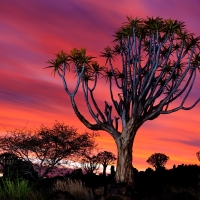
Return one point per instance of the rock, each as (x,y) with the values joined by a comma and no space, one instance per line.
(198,185)
(100,198)
(99,191)
(77,174)
(119,189)
(62,195)
(178,196)
(118,197)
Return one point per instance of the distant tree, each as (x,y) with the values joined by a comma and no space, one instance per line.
(47,147)
(90,164)
(158,160)
(20,169)
(106,158)
(7,159)
(198,155)
(149,170)
(159,61)
(14,167)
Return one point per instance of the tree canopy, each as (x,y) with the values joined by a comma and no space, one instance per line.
(158,160)
(90,163)
(105,158)
(47,147)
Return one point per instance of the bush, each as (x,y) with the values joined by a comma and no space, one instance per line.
(20,169)
(181,190)
(75,187)
(14,189)
(17,190)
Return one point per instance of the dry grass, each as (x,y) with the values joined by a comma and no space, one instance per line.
(195,192)
(75,188)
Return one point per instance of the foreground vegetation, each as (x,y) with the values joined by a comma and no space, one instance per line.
(177,183)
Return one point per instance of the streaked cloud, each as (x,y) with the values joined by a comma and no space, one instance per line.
(33,31)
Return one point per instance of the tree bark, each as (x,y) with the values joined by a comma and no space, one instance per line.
(124,170)
(104,170)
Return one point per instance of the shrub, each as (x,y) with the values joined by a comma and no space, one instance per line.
(14,189)
(18,189)
(193,191)
(75,187)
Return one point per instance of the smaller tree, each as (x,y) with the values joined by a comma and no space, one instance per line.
(20,169)
(90,164)
(14,167)
(7,159)
(198,155)
(158,160)
(106,158)
(46,147)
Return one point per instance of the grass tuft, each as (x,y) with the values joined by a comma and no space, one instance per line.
(17,190)
(75,187)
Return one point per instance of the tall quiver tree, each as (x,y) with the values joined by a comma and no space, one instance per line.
(159,62)
(106,158)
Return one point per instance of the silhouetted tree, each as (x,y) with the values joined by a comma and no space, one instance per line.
(20,169)
(112,171)
(198,155)
(106,158)
(14,167)
(158,160)
(47,147)
(90,164)
(7,159)
(159,63)
(149,170)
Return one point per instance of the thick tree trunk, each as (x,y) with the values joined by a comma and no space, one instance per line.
(124,170)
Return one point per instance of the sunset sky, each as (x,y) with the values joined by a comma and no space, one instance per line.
(32,32)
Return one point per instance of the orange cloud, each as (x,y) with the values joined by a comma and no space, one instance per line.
(31,34)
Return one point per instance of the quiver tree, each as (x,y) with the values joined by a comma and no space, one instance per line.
(106,158)
(90,164)
(158,160)
(159,63)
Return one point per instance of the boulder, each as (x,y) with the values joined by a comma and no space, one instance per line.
(119,189)
(99,191)
(117,197)
(61,195)
(76,174)
(198,185)
(177,196)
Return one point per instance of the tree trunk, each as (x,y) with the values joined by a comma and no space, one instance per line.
(104,170)
(124,170)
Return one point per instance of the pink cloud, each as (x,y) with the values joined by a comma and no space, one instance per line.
(32,32)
